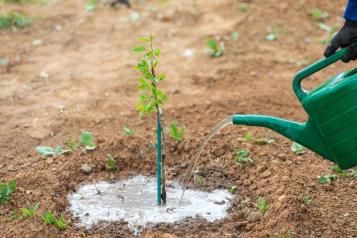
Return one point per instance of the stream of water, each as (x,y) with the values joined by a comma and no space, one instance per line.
(189,171)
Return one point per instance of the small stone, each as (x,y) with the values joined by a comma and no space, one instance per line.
(246,182)
(86,168)
(37,42)
(49,160)
(285,179)
(254,216)
(28,192)
(281,198)
(266,174)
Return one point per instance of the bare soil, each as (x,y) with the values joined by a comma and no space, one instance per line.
(81,78)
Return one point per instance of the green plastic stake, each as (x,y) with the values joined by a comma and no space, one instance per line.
(158,165)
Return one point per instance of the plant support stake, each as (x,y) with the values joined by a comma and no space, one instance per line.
(158,165)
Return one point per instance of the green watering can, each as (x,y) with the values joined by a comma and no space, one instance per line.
(331,130)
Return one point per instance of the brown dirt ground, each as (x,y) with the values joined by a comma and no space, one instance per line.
(91,86)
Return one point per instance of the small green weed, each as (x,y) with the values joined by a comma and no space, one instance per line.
(87,139)
(5,191)
(275,33)
(14,19)
(326,179)
(128,131)
(71,145)
(91,5)
(50,151)
(318,15)
(29,212)
(111,163)
(249,136)
(215,49)
(243,7)
(232,189)
(262,205)
(307,199)
(50,219)
(259,141)
(344,173)
(176,132)
(242,157)
(298,149)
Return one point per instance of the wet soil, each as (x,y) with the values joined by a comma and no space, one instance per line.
(81,78)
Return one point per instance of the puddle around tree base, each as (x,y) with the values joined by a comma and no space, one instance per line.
(134,201)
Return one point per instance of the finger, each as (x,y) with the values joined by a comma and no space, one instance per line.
(345,58)
(331,49)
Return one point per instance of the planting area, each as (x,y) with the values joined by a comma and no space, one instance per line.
(66,69)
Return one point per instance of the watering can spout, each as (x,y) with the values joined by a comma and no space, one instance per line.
(305,134)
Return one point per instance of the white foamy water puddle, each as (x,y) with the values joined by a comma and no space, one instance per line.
(134,201)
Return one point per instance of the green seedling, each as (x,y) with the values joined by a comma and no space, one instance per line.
(198,179)
(243,7)
(307,200)
(318,15)
(71,145)
(128,132)
(111,164)
(330,30)
(151,99)
(50,151)
(215,49)
(249,136)
(275,33)
(29,212)
(176,132)
(50,219)
(87,139)
(232,189)
(259,141)
(234,36)
(262,205)
(344,173)
(297,149)
(6,189)
(4,62)
(242,157)
(14,19)
(91,5)
(327,179)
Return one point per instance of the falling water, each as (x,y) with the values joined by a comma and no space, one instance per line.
(188,174)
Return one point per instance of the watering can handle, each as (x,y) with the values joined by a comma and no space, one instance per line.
(313,68)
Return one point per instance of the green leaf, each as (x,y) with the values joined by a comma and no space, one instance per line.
(45,150)
(263,205)
(49,151)
(128,131)
(326,179)
(157,52)
(325,27)
(6,190)
(249,136)
(87,139)
(111,164)
(297,148)
(242,157)
(234,36)
(271,37)
(139,49)
(144,39)
(176,132)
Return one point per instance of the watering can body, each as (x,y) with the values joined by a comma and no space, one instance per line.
(331,129)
